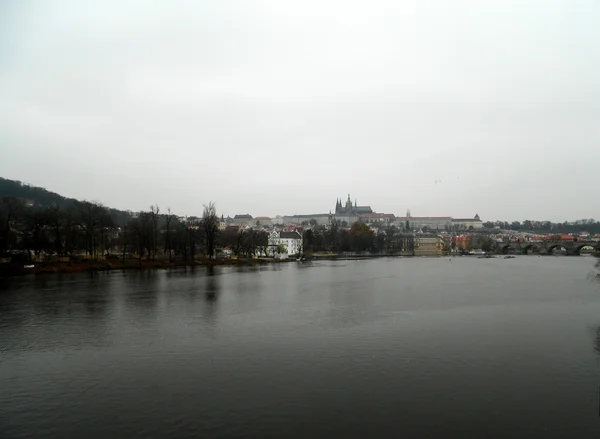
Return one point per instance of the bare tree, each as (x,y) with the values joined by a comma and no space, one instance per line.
(54,217)
(210,227)
(153,214)
(169,217)
(10,211)
(193,227)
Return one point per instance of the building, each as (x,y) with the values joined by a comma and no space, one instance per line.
(370,218)
(428,245)
(348,213)
(400,243)
(321,219)
(463,242)
(264,221)
(243,220)
(290,241)
(433,223)
(474,223)
(351,210)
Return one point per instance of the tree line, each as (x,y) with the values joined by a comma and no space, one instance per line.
(90,229)
(547,227)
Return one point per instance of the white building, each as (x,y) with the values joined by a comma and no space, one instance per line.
(290,241)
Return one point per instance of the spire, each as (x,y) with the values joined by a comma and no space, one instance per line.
(349,198)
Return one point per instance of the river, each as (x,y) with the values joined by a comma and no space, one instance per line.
(415,347)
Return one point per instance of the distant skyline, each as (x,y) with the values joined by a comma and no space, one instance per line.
(269,107)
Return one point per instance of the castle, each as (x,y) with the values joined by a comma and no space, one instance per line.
(345,213)
(350,210)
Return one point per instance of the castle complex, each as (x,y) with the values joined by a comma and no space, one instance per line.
(349,209)
(349,212)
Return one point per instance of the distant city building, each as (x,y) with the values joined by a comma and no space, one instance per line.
(433,223)
(474,223)
(370,218)
(428,245)
(348,213)
(263,221)
(242,220)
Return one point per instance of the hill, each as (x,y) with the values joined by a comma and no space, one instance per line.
(33,195)
(38,197)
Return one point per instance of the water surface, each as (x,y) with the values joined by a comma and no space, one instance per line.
(411,347)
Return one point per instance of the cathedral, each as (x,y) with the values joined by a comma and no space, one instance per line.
(350,210)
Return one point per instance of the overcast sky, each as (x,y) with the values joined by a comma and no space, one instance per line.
(280,107)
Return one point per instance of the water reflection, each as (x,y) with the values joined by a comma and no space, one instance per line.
(141,291)
(212,286)
(56,309)
(596,341)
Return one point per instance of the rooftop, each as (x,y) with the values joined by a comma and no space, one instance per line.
(425,218)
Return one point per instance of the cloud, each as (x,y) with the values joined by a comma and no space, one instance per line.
(274,107)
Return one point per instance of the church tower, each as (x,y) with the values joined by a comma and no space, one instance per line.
(348,209)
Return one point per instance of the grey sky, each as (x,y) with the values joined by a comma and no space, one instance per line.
(279,107)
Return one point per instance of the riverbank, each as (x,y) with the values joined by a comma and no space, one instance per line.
(91,265)
(79,266)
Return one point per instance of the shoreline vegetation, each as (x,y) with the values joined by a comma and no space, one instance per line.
(41,232)
(90,265)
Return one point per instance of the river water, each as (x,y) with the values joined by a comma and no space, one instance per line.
(411,347)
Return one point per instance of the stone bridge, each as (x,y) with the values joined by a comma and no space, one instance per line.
(546,247)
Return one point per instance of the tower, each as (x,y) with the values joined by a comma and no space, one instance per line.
(348,205)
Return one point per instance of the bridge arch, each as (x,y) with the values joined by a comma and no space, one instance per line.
(578,247)
(530,246)
(552,247)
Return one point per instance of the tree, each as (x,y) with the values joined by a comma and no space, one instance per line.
(153,215)
(11,212)
(280,249)
(92,218)
(210,226)
(332,236)
(313,222)
(486,243)
(192,225)
(169,218)
(362,236)
(308,240)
